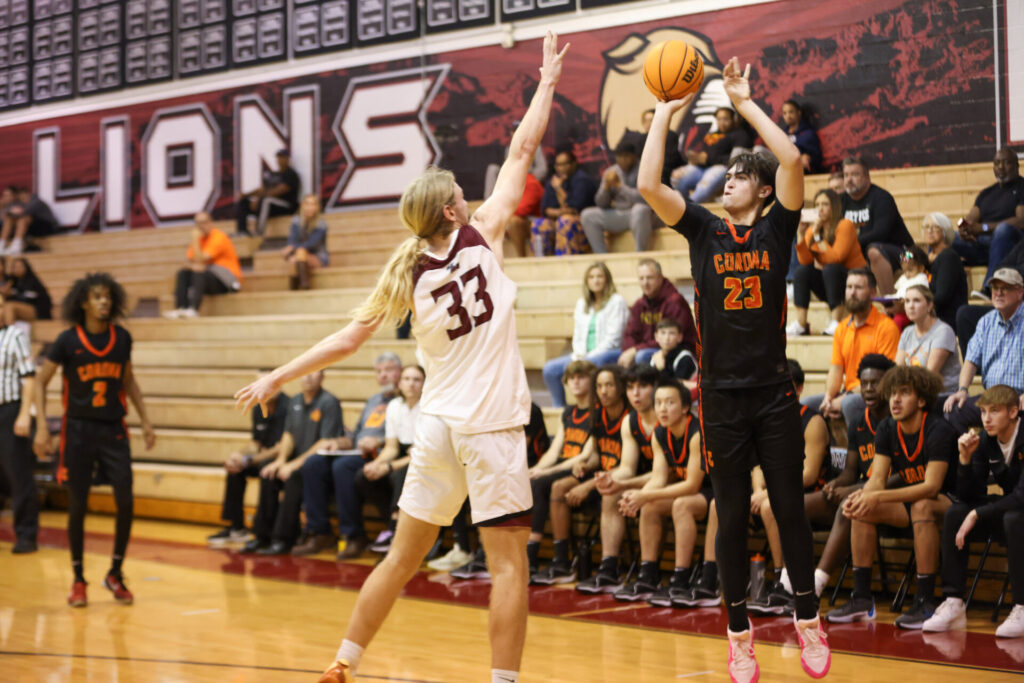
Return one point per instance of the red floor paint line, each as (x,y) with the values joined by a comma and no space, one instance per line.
(961,648)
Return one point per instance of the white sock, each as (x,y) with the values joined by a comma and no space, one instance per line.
(784,580)
(504,676)
(351,653)
(820,581)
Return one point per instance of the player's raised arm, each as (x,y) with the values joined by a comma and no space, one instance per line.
(789,179)
(663,200)
(492,216)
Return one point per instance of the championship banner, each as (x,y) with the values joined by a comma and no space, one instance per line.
(900,82)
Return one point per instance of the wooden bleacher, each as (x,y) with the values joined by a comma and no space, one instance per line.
(189,369)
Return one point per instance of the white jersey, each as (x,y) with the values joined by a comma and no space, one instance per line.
(465,324)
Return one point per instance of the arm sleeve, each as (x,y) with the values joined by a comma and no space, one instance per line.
(579,328)
(946,338)
(695,220)
(617,314)
(975,345)
(883,438)
(549,200)
(947,271)
(330,422)
(634,328)
(971,479)
(888,338)
(845,242)
(391,419)
(837,347)
(22,354)
(291,421)
(316,238)
(293,233)
(58,351)
(884,216)
(1014,500)
(803,248)
(581,192)
(603,197)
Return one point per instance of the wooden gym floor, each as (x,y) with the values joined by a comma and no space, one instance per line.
(212,615)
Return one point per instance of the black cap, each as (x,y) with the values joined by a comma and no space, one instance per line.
(625,147)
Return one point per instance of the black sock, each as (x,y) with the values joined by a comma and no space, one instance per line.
(861,582)
(738,620)
(562,551)
(681,576)
(115,565)
(650,571)
(926,587)
(610,565)
(76,566)
(806,605)
(709,574)
(532,552)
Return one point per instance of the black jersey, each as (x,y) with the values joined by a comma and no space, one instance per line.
(739,278)
(537,441)
(677,449)
(576,425)
(860,439)
(608,435)
(806,414)
(93,368)
(911,453)
(643,442)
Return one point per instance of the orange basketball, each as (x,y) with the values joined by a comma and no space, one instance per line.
(673,69)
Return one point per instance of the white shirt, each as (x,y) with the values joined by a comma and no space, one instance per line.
(400,421)
(465,324)
(609,323)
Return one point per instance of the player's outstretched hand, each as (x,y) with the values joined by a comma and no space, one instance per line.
(258,393)
(736,82)
(551,69)
(672,106)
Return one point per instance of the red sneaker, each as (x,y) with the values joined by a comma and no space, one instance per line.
(77,597)
(339,672)
(115,585)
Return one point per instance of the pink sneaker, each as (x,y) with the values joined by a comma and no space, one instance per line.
(815,656)
(743,666)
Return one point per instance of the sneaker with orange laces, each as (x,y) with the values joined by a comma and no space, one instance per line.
(115,584)
(77,597)
(743,666)
(815,656)
(339,672)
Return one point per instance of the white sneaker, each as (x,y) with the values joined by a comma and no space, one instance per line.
(189,313)
(4,246)
(816,656)
(743,666)
(15,247)
(784,581)
(830,330)
(950,615)
(1013,627)
(978,294)
(456,557)
(173,315)
(795,329)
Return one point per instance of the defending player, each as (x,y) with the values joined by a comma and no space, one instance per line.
(475,401)
(749,412)
(94,356)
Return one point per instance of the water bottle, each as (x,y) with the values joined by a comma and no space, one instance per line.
(758,587)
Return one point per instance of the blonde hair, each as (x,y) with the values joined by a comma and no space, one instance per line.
(597,301)
(306,226)
(421,209)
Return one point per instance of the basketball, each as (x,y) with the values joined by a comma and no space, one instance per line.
(673,69)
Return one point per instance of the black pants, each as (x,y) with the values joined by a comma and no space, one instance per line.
(744,428)
(17,461)
(542,499)
(193,285)
(277,517)
(382,493)
(1009,531)
(243,210)
(97,451)
(233,511)
(828,284)
(967,318)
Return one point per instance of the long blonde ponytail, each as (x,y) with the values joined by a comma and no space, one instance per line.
(422,211)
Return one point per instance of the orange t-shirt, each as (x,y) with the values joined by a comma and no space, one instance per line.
(221,251)
(845,249)
(879,334)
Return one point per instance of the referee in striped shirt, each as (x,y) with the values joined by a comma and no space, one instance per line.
(17,380)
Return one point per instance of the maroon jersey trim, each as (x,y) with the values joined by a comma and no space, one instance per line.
(466,237)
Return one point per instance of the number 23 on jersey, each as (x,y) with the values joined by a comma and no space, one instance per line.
(457,310)
(735,301)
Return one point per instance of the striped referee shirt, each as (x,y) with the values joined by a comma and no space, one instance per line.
(15,363)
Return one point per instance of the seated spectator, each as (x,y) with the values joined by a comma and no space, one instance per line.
(599,321)
(307,243)
(518,228)
(278,195)
(659,299)
(993,225)
(619,206)
(25,297)
(677,489)
(880,228)
(675,359)
(827,504)
(967,317)
(914,264)
(703,176)
(266,432)
(949,280)
(779,593)
(324,474)
(213,268)
(26,216)
(380,481)
(313,417)
(928,342)
(827,252)
(836,182)
(802,135)
(673,159)
(997,456)
(996,350)
(570,190)
(920,448)
(555,465)
(864,331)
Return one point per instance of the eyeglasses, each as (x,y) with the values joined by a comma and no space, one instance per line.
(931,228)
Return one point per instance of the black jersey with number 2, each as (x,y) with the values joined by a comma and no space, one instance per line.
(739,278)
(93,368)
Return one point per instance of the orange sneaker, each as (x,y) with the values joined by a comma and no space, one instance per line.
(77,597)
(339,672)
(115,584)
